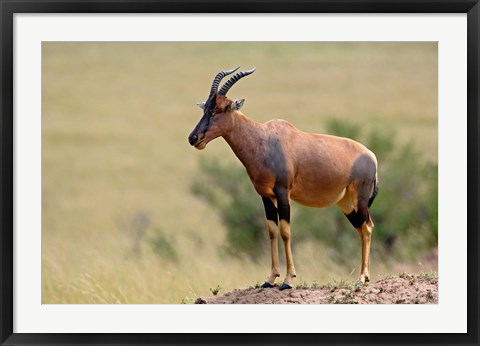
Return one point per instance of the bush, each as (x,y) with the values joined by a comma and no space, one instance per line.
(229,191)
(405,210)
(163,246)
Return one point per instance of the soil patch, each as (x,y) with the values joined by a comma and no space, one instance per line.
(405,289)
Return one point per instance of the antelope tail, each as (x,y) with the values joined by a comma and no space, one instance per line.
(375,191)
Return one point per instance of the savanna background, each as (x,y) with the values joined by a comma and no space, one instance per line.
(132,214)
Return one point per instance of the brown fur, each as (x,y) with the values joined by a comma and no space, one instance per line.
(315,170)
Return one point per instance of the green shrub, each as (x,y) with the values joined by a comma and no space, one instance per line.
(163,247)
(229,191)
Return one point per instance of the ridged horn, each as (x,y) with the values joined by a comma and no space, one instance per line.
(229,83)
(219,77)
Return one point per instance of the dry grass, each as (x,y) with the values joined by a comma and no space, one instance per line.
(115,120)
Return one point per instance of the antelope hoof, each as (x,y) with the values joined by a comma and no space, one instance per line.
(267,284)
(285,287)
(359,284)
(362,281)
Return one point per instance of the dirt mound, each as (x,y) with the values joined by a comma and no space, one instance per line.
(405,289)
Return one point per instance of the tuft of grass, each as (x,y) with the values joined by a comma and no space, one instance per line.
(431,277)
(215,290)
(404,275)
(338,284)
(388,277)
(303,285)
(187,300)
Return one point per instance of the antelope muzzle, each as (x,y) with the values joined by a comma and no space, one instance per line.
(192,139)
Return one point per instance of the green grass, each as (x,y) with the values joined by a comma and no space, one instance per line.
(387,277)
(215,290)
(333,284)
(429,276)
(115,120)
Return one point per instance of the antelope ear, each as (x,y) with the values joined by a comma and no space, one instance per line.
(237,104)
(201,105)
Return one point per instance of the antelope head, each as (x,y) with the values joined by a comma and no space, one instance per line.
(217,118)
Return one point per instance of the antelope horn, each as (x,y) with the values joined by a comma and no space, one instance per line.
(228,84)
(219,77)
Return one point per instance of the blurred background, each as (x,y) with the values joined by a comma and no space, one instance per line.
(132,214)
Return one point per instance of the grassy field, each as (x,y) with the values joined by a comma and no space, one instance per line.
(119,223)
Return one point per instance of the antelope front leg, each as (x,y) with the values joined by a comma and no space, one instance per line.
(275,272)
(284,215)
(272,219)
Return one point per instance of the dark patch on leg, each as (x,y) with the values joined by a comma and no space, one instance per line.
(356,219)
(270,210)
(283,204)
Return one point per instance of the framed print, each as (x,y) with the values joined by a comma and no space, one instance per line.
(117,230)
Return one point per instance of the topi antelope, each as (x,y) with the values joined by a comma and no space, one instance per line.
(285,163)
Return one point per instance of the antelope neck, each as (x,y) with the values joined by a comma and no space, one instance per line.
(244,138)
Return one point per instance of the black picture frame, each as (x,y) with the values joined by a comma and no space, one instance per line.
(10,7)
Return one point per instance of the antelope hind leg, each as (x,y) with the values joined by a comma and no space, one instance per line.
(365,233)
(360,219)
